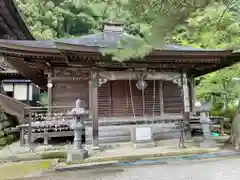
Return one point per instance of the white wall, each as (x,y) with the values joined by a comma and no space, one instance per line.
(30,92)
(20,91)
(8,87)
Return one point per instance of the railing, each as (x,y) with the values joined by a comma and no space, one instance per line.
(13,106)
(45,120)
(47,113)
(38,121)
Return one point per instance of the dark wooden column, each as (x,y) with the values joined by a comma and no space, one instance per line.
(50,91)
(186,103)
(28,86)
(161,97)
(94,108)
(193,96)
(90,98)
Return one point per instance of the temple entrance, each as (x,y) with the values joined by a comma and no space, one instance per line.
(122,98)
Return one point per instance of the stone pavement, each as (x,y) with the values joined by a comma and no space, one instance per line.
(226,169)
(163,147)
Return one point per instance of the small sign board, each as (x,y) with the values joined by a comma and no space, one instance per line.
(143,134)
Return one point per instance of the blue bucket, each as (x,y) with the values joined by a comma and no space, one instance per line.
(215,134)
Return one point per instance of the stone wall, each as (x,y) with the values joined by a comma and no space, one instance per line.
(6,123)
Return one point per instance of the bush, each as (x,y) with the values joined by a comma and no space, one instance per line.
(230,113)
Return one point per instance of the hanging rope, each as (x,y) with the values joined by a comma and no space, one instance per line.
(131,97)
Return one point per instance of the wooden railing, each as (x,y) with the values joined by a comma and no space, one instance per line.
(13,107)
(38,122)
(46,113)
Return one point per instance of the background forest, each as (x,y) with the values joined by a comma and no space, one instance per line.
(196,23)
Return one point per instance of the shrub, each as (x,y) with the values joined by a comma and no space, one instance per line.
(230,113)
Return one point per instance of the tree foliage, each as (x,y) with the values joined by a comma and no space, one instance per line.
(153,20)
(196,23)
(210,28)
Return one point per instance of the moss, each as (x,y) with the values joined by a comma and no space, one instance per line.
(1,134)
(10,139)
(3,141)
(54,155)
(7,140)
(143,156)
(22,169)
(6,124)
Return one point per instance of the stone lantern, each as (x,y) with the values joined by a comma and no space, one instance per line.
(203,109)
(77,152)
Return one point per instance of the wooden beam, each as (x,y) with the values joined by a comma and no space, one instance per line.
(94,108)
(125,75)
(68,79)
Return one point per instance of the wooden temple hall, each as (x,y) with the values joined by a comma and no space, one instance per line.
(157,87)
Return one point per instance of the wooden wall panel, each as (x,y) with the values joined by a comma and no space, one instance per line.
(152,100)
(172,98)
(104,100)
(119,101)
(66,94)
(114,97)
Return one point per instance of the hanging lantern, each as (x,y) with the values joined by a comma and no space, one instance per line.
(49,85)
(101,82)
(141,83)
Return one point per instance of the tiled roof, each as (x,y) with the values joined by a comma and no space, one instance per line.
(101,40)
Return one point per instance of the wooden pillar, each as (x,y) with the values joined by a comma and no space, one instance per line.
(186,108)
(28,97)
(193,96)
(94,109)
(161,97)
(22,138)
(50,90)
(90,98)
(30,129)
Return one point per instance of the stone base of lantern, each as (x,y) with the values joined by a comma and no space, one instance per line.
(76,155)
(96,149)
(148,144)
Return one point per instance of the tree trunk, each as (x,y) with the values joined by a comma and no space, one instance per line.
(235,131)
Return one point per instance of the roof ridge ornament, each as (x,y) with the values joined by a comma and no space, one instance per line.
(113,27)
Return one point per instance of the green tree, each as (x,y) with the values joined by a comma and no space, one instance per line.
(151,19)
(207,28)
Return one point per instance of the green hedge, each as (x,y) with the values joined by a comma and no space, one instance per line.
(230,113)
